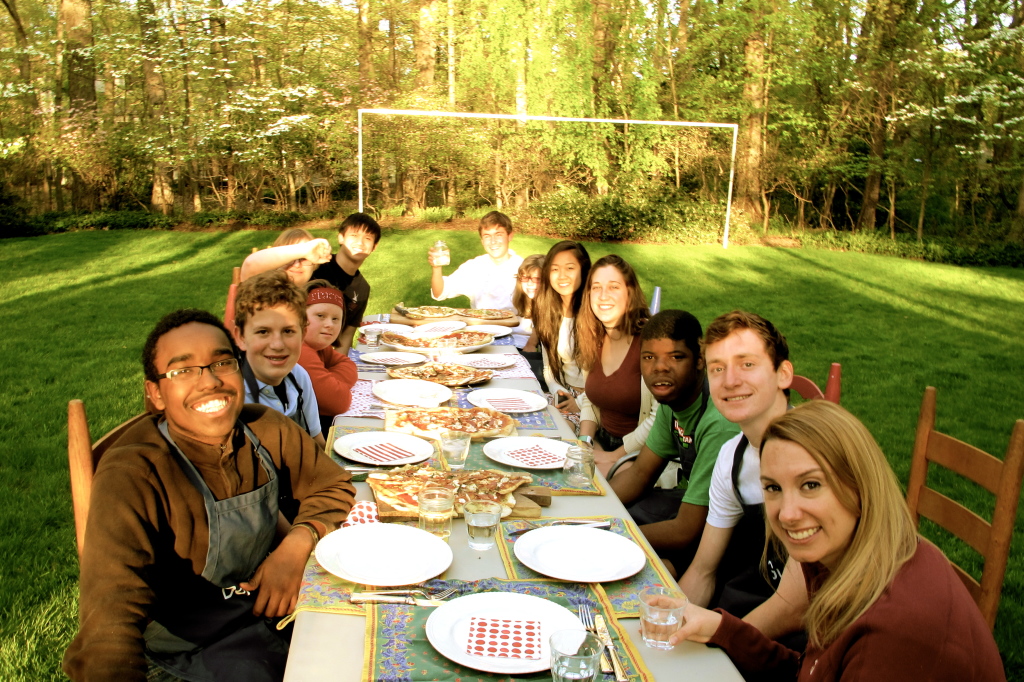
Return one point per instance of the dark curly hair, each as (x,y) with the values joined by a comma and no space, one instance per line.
(170,322)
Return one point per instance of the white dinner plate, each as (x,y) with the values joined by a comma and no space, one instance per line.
(383,554)
(528,452)
(495,329)
(393,358)
(383,449)
(412,392)
(580,555)
(489,361)
(448,628)
(508,400)
(389,327)
(440,327)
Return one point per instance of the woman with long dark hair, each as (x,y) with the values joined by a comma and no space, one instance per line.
(566,267)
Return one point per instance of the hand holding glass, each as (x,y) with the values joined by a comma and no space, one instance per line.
(661,614)
(575,656)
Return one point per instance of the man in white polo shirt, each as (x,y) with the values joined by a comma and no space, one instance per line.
(487,280)
(749,373)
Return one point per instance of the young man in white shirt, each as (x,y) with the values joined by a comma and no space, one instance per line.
(749,373)
(487,280)
(270,319)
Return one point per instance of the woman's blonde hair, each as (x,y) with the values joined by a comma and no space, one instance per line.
(857,472)
(590,331)
(520,301)
(295,235)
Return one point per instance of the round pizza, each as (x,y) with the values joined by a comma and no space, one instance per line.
(429,422)
(462,339)
(444,373)
(430,312)
(487,313)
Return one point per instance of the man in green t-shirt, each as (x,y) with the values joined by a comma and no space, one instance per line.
(688,429)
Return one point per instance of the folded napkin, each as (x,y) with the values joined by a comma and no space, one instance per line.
(362,511)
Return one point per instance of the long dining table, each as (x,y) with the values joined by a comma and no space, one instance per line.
(329,645)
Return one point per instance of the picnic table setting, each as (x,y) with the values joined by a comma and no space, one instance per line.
(483,544)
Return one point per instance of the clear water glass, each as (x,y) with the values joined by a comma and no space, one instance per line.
(440,254)
(482,518)
(661,614)
(372,337)
(579,465)
(575,656)
(437,506)
(455,448)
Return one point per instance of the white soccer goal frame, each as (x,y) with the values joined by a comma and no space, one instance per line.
(516,117)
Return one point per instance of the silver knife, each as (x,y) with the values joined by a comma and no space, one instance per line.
(393,599)
(606,639)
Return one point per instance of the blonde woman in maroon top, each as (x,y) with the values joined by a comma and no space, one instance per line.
(884,605)
(616,407)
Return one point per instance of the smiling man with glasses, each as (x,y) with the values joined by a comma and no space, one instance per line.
(200,523)
(487,280)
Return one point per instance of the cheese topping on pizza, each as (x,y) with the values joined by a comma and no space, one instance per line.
(444,373)
(463,339)
(487,313)
(399,487)
(471,420)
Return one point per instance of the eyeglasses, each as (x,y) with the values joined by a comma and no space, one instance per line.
(535,280)
(191,374)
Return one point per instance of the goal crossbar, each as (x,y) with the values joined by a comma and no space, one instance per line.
(523,118)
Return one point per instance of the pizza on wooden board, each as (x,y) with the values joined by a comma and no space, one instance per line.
(430,312)
(487,313)
(429,422)
(463,339)
(399,487)
(444,373)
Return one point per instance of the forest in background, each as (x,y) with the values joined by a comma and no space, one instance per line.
(897,116)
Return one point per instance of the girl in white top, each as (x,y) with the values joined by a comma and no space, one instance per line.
(566,267)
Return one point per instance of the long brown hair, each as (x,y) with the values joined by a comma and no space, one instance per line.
(590,331)
(547,318)
(884,538)
(520,301)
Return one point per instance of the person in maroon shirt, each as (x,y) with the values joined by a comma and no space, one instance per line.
(616,407)
(884,605)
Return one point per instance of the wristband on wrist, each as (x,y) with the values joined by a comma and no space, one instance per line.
(312,529)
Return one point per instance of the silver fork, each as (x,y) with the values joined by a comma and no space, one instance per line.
(587,617)
(423,594)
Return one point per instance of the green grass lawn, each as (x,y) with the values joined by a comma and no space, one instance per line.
(76,309)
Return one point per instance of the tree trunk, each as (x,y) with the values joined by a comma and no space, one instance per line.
(873,181)
(925,182)
(24,59)
(451,53)
(162,196)
(425,44)
(76,17)
(365,40)
(751,144)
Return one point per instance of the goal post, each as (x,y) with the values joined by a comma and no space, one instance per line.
(525,118)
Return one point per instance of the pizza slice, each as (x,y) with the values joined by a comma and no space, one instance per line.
(487,313)
(429,422)
(444,373)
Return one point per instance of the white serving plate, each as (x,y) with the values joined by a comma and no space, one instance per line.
(412,392)
(503,451)
(507,400)
(448,628)
(383,554)
(388,327)
(378,448)
(393,358)
(581,555)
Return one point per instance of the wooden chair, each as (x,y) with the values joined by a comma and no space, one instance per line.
(1001,478)
(229,307)
(808,390)
(83,456)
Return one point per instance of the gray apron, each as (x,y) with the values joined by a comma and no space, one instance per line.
(207,631)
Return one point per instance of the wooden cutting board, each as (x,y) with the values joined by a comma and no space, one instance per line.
(525,508)
(398,318)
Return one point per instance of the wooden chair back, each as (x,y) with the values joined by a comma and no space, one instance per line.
(83,456)
(808,390)
(1001,478)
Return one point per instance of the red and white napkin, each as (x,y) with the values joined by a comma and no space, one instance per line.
(534,456)
(504,638)
(363,511)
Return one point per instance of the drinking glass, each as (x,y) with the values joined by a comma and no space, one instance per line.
(482,518)
(372,337)
(575,656)
(579,465)
(439,254)
(455,448)
(437,505)
(661,614)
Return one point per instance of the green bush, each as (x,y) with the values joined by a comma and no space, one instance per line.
(55,221)
(394,212)
(435,214)
(934,250)
(477,213)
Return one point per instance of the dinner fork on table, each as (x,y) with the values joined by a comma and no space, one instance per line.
(423,594)
(587,617)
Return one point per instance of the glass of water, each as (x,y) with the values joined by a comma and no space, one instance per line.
(575,656)
(437,506)
(372,337)
(455,448)
(661,614)
(482,518)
